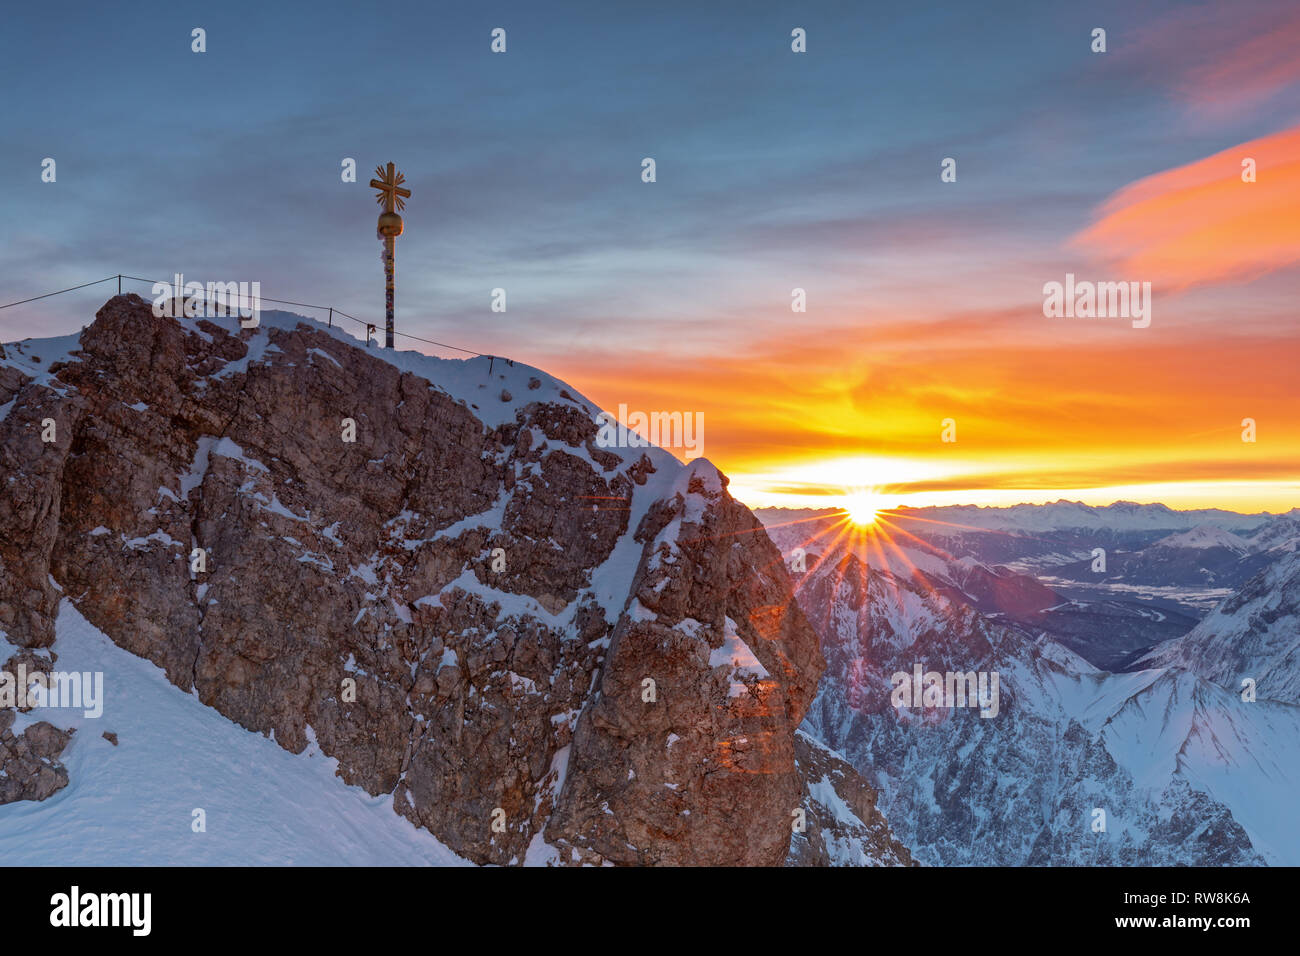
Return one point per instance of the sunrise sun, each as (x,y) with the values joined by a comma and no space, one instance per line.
(861,508)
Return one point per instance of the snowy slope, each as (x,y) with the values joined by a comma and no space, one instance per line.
(1255,633)
(132,804)
(1244,755)
(462,378)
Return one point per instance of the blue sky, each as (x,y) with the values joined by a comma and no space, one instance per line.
(772,168)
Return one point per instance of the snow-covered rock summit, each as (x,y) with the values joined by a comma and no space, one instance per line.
(428,569)
(1204,537)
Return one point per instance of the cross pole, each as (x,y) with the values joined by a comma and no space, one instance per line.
(392,196)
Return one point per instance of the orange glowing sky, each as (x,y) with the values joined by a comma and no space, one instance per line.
(1130,169)
(1088,409)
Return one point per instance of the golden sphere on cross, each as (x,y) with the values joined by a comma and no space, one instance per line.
(390,225)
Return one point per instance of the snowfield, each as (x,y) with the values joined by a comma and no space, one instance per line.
(133,804)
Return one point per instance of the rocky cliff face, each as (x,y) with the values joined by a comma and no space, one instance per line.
(842,825)
(29,764)
(1251,635)
(546,650)
(1077,766)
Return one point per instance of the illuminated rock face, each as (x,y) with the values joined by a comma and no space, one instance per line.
(542,648)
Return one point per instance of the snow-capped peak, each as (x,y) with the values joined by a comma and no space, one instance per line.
(1203,537)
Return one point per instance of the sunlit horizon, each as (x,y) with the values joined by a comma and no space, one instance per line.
(846,483)
(1231,497)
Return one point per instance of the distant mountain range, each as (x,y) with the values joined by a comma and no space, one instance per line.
(1183,768)
(1038,568)
(1121,516)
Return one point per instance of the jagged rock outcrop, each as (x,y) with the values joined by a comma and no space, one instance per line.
(29,765)
(543,648)
(842,825)
(1076,766)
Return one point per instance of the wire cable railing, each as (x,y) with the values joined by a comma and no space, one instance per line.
(369,326)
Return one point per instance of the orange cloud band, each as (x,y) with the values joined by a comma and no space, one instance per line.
(1202,222)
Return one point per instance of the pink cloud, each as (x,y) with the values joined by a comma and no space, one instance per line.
(1201,223)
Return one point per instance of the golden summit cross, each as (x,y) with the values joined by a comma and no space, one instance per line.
(392,196)
(389,183)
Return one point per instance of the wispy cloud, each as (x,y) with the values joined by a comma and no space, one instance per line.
(1201,223)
